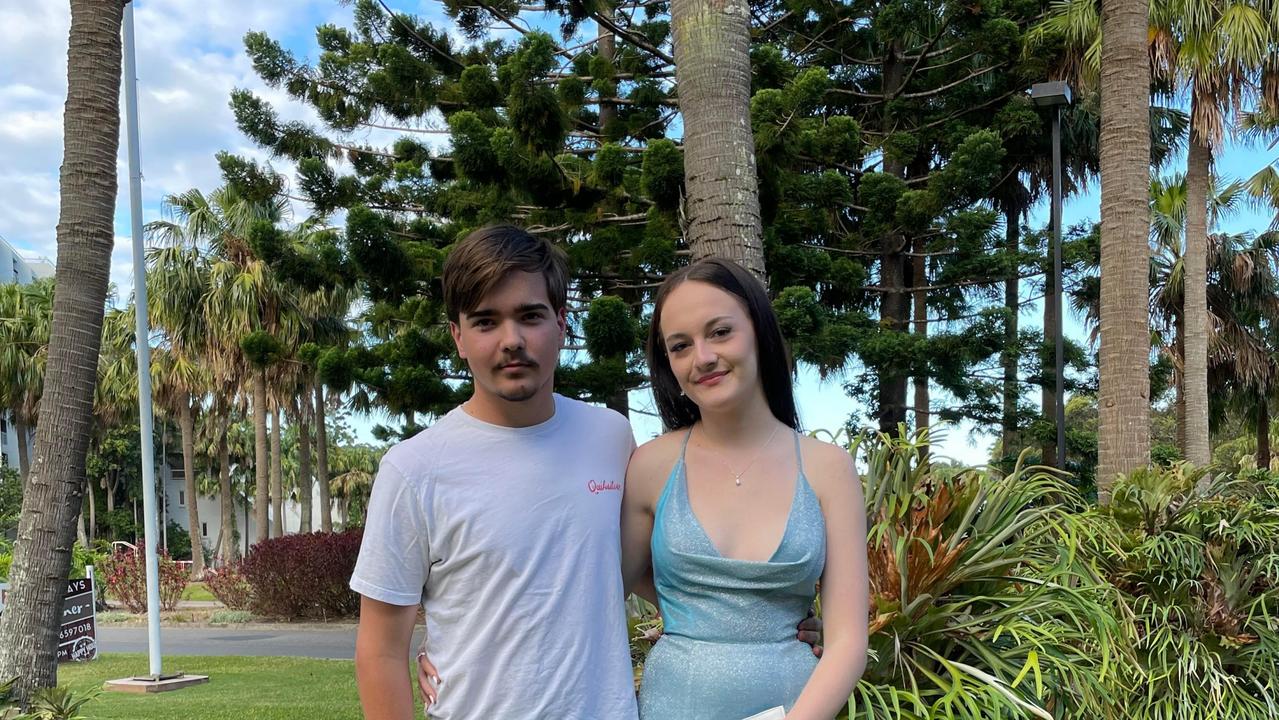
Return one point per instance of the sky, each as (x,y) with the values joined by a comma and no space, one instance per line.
(190,56)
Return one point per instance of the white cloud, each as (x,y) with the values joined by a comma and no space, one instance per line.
(189,58)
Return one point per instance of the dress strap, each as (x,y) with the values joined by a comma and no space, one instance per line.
(799,455)
(684,448)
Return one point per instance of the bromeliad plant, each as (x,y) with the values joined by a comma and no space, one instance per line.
(982,603)
(1198,565)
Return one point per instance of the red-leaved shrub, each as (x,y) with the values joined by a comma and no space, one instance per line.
(228,585)
(125,575)
(304,576)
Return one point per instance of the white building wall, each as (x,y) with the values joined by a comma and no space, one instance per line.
(210,511)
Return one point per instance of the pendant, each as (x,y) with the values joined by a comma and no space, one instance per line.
(737,479)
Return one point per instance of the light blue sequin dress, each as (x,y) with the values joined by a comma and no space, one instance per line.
(729,649)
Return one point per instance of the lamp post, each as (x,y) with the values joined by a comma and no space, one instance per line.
(1056,95)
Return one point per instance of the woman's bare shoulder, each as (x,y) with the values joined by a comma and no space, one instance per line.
(826,464)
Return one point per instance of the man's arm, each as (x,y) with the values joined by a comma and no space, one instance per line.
(381,651)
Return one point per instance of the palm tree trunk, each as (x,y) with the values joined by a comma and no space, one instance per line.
(1263,431)
(711,39)
(1195,299)
(1179,379)
(277,477)
(1009,357)
(322,460)
(1124,359)
(229,549)
(261,462)
(24,456)
(304,468)
(186,426)
(923,417)
(42,554)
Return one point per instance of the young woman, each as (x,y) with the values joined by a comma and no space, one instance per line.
(738,516)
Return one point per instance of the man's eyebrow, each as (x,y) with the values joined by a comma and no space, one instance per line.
(485,313)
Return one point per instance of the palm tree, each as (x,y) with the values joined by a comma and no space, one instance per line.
(1221,54)
(42,555)
(355,467)
(243,296)
(177,280)
(1124,362)
(25,313)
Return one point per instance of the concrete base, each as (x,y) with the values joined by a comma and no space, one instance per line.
(148,684)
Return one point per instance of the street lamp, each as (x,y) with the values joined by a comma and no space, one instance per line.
(1056,95)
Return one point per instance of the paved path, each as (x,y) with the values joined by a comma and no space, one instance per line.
(336,643)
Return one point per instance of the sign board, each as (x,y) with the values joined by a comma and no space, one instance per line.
(78,635)
(78,632)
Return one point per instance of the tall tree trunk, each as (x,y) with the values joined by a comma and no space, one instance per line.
(893,309)
(1048,392)
(277,476)
(711,39)
(923,416)
(1263,431)
(24,455)
(1179,379)
(261,463)
(1010,441)
(322,460)
(606,47)
(55,487)
(81,534)
(229,548)
(1195,300)
(305,479)
(1123,428)
(93,514)
(186,426)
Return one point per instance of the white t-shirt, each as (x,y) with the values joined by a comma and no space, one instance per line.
(514,535)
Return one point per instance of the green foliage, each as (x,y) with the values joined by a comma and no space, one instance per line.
(662,173)
(982,603)
(1196,560)
(610,328)
(261,349)
(10,499)
(179,541)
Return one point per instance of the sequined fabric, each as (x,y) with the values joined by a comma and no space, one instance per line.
(729,649)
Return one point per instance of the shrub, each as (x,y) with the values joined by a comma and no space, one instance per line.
(230,617)
(5,562)
(983,603)
(125,577)
(304,576)
(179,541)
(229,586)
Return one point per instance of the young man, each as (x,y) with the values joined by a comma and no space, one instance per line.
(503,516)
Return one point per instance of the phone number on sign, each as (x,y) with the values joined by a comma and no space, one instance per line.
(71,631)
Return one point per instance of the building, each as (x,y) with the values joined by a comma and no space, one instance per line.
(15,267)
(175,508)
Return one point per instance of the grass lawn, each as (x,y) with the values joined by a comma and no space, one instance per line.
(239,688)
(197,591)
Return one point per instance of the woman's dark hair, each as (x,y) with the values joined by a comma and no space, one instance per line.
(677,410)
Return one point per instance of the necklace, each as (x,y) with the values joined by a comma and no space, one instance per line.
(737,476)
